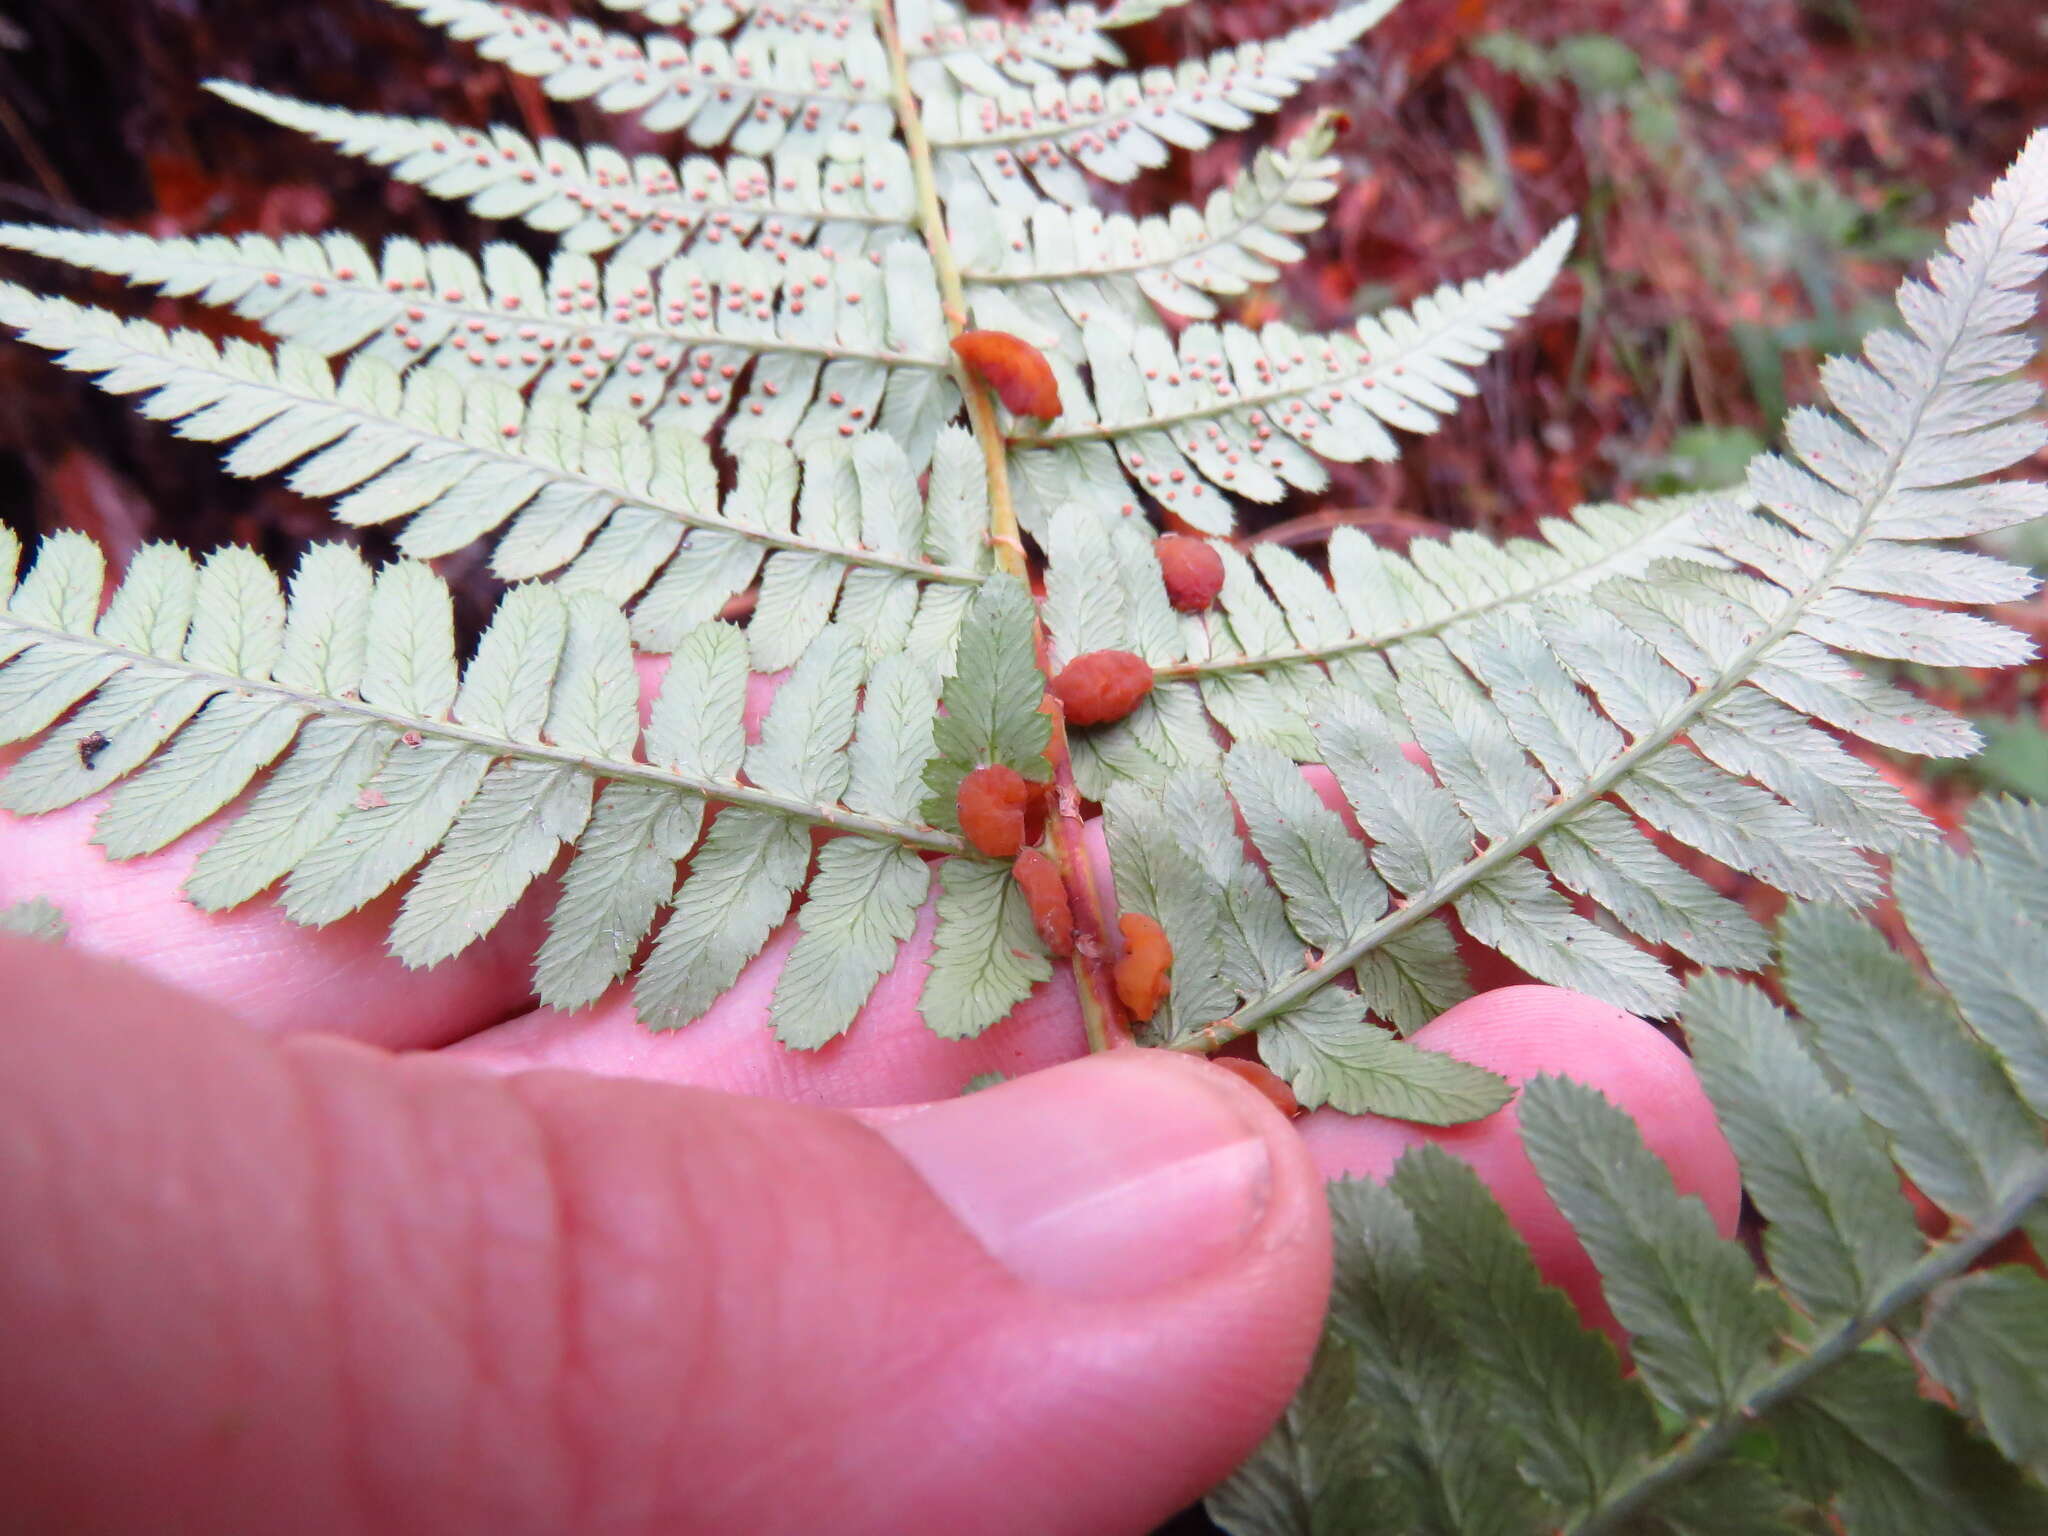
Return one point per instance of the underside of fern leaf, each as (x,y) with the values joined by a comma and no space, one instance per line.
(1790,1406)
(724,423)
(1685,699)
(378,757)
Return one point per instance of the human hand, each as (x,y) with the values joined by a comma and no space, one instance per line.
(264,1276)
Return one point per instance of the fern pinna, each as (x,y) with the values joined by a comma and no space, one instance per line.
(730,431)
(1831,1398)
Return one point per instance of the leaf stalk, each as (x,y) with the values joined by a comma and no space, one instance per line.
(1712,1442)
(1101,1016)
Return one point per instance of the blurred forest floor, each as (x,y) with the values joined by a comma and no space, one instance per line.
(1754,176)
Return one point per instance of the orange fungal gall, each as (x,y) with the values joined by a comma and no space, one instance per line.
(1192,569)
(1101,686)
(1051,914)
(991,804)
(1012,367)
(1263,1078)
(1141,975)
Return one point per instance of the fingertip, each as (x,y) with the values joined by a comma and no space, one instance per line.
(1174,1241)
(252,961)
(1153,1166)
(553,1282)
(886,1056)
(1522,1032)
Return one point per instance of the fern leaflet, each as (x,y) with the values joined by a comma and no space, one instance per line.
(1679,698)
(381,757)
(647,208)
(1779,1404)
(1227,410)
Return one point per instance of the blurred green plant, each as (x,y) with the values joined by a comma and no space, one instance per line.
(1807,228)
(1605,71)
(1702,458)
(1787,229)
(2015,756)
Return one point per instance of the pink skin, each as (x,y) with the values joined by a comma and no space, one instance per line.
(284,1279)
(1523,1032)
(887,1057)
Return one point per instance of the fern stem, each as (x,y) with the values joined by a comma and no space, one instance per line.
(1711,1442)
(931,223)
(1100,1015)
(836,818)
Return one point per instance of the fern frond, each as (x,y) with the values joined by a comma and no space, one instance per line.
(645,209)
(379,759)
(1115,127)
(791,90)
(834,348)
(1675,700)
(1047,271)
(617,504)
(1229,411)
(1751,1408)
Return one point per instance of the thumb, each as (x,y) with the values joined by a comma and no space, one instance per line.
(256,1286)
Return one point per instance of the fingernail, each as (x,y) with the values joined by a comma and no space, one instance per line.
(1116,1175)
